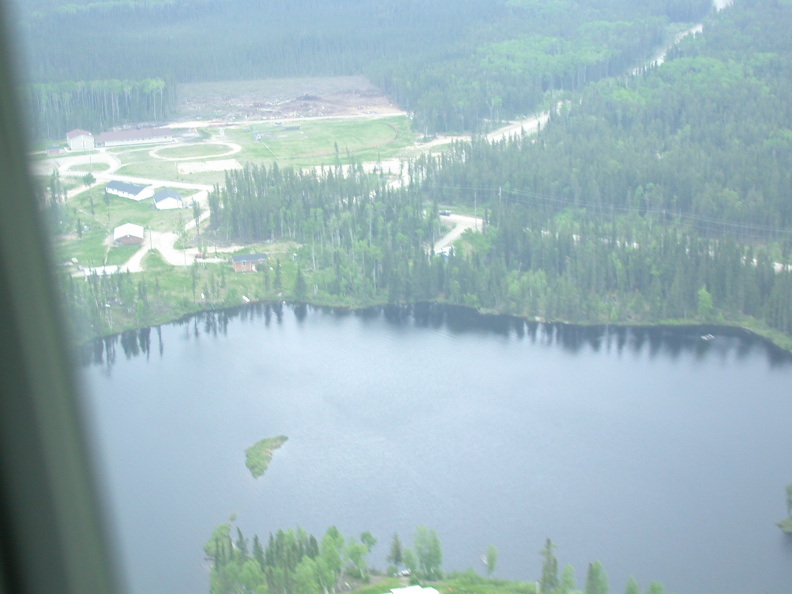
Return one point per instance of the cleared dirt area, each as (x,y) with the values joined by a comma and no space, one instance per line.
(281,98)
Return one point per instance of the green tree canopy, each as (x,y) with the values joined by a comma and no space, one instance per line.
(428,551)
(596,579)
(491,559)
(549,581)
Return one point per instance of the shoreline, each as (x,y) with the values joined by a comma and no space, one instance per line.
(777,342)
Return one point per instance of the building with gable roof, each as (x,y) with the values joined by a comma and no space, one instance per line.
(128,234)
(248,262)
(80,140)
(127,190)
(135,136)
(168,200)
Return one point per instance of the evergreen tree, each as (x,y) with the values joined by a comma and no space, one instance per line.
(596,579)
(491,559)
(568,585)
(395,555)
(549,581)
(258,551)
(241,545)
(632,586)
(278,276)
(300,288)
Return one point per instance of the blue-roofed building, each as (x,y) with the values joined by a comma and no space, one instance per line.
(127,190)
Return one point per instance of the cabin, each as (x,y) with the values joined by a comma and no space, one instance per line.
(249,262)
(135,136)
(128,234)
(53,151)
(80,140)
(127,190)
(168,200)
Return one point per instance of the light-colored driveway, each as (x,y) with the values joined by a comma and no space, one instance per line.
(461,223)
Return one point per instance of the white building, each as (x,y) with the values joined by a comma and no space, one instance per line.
(414,590)
(168,200)
(80,140)
(127,190)
(135,136)
(128,234)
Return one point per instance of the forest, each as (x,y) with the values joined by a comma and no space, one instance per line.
(295,562)
(456,66)
(659,197)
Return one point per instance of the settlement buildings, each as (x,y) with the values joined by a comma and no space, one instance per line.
(128,234)
(135,136)
(167,200)
(131,191)
(80,140)
(248,262)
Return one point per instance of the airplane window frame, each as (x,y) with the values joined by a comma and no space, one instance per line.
(52,532)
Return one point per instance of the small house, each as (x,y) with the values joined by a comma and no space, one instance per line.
(80,140)
(127,190)
(248,262)
(128,234)
(168,200)
(53,151)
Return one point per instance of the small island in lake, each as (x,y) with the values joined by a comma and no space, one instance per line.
(259,455)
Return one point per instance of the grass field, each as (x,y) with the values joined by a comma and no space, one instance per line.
(205,150)
(299,144)
(91,168)
(315,142)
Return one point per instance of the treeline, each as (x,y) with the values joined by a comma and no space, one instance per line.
(360,239)
(363,243)
(640,202)
(97,105)
(706,137)
(453,64)
(295,562)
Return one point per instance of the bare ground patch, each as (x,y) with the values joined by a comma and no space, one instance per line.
(280,98)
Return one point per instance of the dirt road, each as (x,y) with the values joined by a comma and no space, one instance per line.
(460,224)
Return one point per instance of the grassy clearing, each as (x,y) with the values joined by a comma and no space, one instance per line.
(314,143)
(119,255)
(206,150)
(470,582)
(91,167)
(150,168)
(259,455)
(89,249)
(112,211)
(103,217)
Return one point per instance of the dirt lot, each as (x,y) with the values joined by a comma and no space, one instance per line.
(281,98)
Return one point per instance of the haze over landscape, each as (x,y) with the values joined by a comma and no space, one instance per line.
(514,170)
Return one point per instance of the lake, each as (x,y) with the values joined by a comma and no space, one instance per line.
(661,454)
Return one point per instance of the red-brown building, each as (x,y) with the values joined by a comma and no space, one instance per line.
(248,262)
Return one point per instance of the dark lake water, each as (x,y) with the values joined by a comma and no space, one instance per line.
(663,455)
